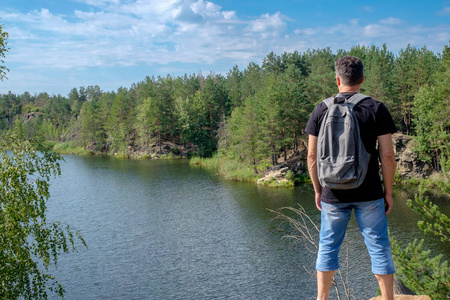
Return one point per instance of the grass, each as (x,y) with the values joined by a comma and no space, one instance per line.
(245,172)
(49,145)
(229,169)
(69,148)
(278,184)
(437,181)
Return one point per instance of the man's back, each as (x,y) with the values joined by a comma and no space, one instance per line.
(374,120)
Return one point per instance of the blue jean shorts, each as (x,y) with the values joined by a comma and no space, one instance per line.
(372,223)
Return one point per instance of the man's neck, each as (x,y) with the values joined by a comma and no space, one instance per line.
(349,89)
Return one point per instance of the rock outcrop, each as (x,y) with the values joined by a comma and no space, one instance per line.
(155,151)
(151,151)
(405,297)
(276,174)
(408,164)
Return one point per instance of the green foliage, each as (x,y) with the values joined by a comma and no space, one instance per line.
(245,143)
(65,148)
(302,179)
(290,175)
(91,130)
(118,121)
(149,120)
(279,183)
(30,244)
(419,272)
(3,50)
(378,69)
(432,108)
(321,80)
(48,145)
(414,68)
(431,111)
(254,116)
(230,169)
(432,220)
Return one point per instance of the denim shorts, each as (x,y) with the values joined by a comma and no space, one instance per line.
(372,223)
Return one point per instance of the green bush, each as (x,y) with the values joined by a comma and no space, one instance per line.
(175,151)
(420,272)
(229,168)
(290,175)
(69,148)
(30,244)
(49,145)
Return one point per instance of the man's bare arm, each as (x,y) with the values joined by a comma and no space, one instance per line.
(312,168)
(387,168)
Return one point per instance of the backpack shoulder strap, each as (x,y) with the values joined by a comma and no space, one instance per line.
(356,98)
(329,101)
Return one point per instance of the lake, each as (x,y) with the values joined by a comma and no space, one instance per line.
(160,229)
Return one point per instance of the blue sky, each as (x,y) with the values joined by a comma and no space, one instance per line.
(56,45)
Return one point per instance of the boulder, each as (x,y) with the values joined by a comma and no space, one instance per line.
(405,297)
(408,164)
(402,292)
(276,175)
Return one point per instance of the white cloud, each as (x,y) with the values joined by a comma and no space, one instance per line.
(444,11)
(99,3)
(377,31)
(306,31)
(161,34)
(206,9)
(149,32)
(229,14)
(391,21)
(354,22)
(268,25)
(161,10)
(396,34)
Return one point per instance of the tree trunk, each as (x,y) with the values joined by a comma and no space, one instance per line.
(295,142)
(400,288)
(159,141)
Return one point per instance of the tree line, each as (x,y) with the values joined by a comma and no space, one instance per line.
(254,115)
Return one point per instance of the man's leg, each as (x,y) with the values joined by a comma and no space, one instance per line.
(324,284)
(334,220)
(372,223)
(386,283)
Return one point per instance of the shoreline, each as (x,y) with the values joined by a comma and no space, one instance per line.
(286,174)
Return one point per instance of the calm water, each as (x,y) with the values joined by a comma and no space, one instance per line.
(164,230)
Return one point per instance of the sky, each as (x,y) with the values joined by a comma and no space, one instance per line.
(56,45)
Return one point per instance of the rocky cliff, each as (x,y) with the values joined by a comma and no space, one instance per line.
(408,164)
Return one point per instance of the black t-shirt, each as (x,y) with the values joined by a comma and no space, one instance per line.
(374,120)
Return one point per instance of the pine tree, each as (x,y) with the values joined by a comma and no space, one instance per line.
(418,271)
(431,111)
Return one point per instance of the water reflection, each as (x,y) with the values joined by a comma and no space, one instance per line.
(163,230)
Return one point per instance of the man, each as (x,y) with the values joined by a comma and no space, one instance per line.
(370,201)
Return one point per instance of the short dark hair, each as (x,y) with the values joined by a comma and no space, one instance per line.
(350,70)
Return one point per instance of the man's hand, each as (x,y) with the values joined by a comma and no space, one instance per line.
(318,204)
(387,168)
(312,168)
(388,202)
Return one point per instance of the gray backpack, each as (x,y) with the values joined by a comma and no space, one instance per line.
(342,159)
